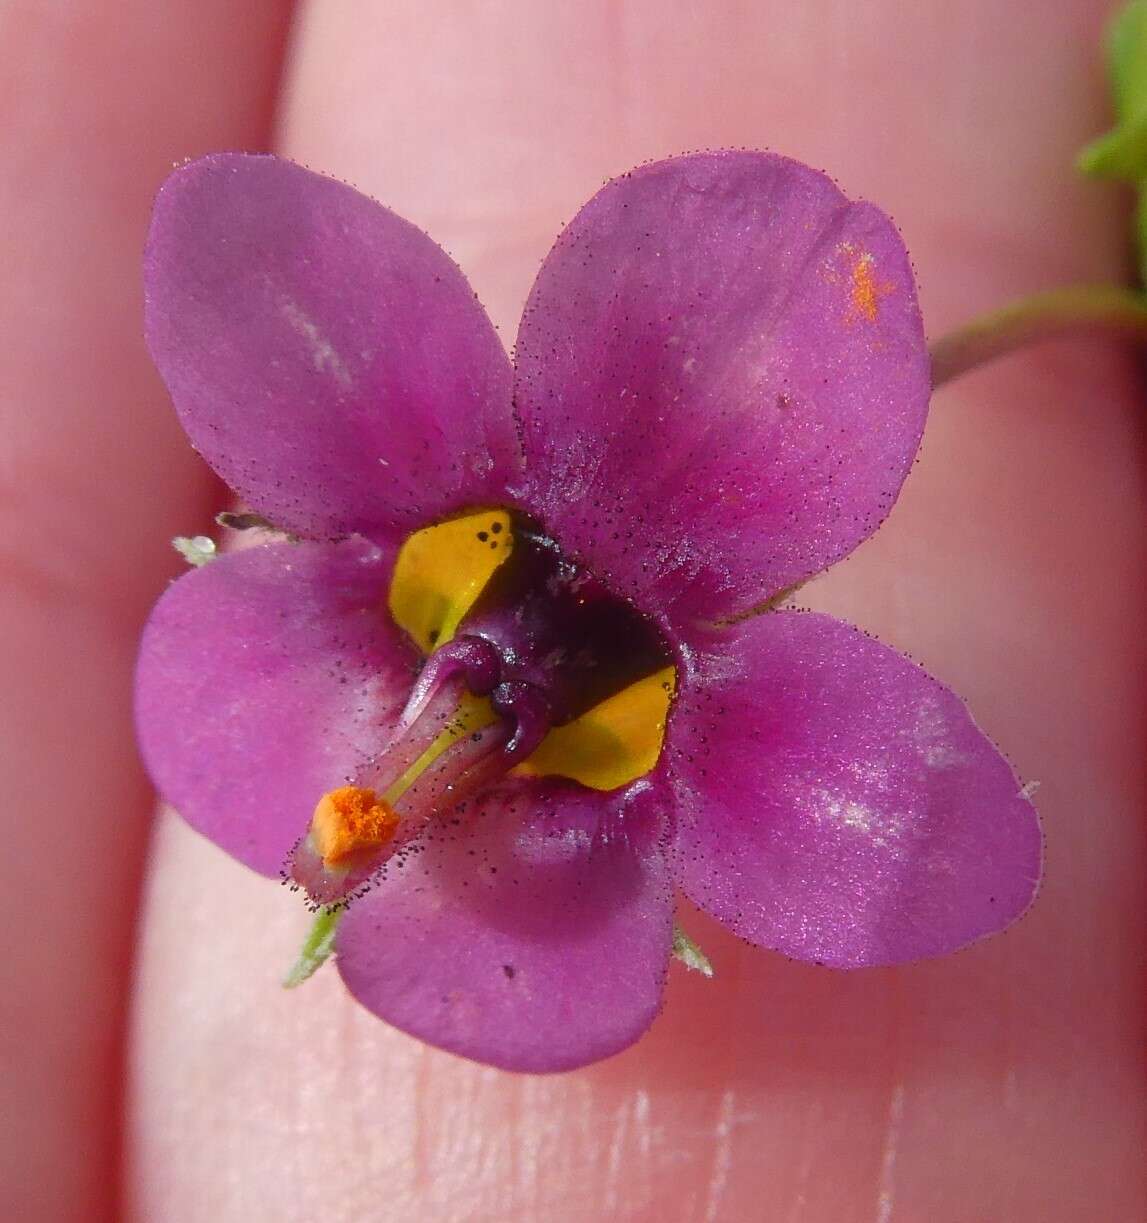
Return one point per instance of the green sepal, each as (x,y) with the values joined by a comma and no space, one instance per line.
(1127,59)
(317,946)
(196,550)
(1122,152)
(687,951)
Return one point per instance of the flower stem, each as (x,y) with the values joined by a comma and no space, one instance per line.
(1039,317)
(317,947)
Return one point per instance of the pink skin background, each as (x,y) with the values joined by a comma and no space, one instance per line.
(1005,1083)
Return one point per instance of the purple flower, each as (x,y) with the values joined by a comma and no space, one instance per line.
(449,697)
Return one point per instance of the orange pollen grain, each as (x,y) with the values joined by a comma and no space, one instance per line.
(864,291)
(351,821)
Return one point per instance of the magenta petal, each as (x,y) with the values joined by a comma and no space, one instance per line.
(839,804)
(328,360)
(532,936)
(264,679)
(721,379)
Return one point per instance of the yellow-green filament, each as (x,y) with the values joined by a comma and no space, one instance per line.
(473,713)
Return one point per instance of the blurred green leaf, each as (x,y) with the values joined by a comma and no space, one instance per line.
(1122,152)
(1127,59)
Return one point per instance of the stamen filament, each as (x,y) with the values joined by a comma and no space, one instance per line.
(471,714)
(417,736)
(475,760)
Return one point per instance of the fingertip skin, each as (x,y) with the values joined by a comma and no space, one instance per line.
(99,101)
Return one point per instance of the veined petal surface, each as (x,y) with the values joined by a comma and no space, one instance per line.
(721,380)
(838,804)
(264,680)
(532,933)
(325,356)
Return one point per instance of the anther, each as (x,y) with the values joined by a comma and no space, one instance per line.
(349,825)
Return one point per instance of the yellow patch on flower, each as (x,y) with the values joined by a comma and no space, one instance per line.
(439,574)
(613,743)
(441,570)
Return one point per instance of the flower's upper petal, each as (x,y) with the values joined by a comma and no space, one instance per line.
(532,935)
(264,679)
(721,380)
(839,804)
(328,360)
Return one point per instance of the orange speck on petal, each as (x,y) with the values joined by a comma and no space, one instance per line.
(866,292)
(864,289)
(350,823)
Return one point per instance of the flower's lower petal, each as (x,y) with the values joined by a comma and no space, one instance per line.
(264,679)
(721,380)
(326,357)
(839,804)
(533,935)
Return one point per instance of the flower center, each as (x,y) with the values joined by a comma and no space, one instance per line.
(534,668)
